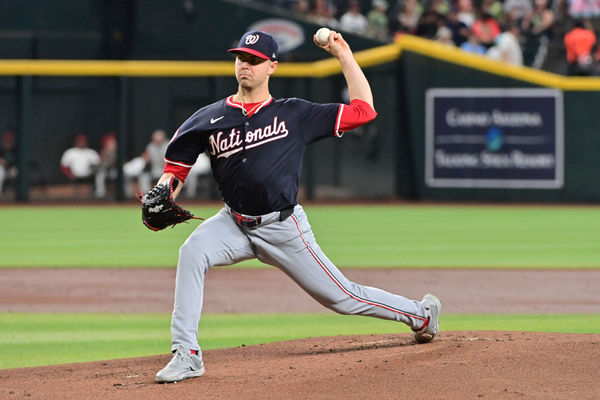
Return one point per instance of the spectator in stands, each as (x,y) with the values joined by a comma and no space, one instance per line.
(539,21)
(322,13)
(472,45)
(460,32)
(516,10)
(107,169)
(301,8)
(80,163)
(561,9)
(486,28)
(408,16)
(353,21)
(495,8)
(578,44)
(200,169)
(440,7)
(8,158)
(156,160)
(465,12)
(144,168)
(507,48)
(536,29)
(133,170)
(584,8)
(429,24)
(378,20)
(444,36)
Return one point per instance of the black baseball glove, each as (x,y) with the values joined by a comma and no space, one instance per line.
(159,209)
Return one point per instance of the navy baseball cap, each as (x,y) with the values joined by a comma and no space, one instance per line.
(258,43)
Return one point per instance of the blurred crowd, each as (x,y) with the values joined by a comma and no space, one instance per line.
(93,173)
(497,28)
(96,171)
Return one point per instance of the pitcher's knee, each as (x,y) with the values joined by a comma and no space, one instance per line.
(193,256)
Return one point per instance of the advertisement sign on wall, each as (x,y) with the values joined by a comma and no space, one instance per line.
(494,138)
(288,34)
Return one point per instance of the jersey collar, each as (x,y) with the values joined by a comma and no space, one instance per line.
(229,101)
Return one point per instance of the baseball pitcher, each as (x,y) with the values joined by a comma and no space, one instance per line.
(256,144)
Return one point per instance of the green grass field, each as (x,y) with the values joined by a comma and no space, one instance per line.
(43,339)
(352,236)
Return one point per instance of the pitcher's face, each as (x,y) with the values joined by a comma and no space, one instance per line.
(252,71)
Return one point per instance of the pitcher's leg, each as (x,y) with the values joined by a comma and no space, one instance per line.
(217,241)
(303,260)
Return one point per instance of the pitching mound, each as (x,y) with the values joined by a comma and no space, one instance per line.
(457,365)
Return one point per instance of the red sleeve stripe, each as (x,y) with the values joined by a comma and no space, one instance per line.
(356,114)
(178,170)
(339,121)
(179,163)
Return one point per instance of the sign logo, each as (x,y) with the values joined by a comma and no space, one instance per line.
(494,138)
(252,39)
(288,34)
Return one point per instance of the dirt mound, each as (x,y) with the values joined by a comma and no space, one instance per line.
(457,365)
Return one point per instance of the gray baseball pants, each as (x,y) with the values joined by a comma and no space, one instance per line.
(288,245)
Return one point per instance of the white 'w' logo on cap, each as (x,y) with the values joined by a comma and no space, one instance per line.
(251,39)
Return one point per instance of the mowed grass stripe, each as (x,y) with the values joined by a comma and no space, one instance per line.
(44,339)
(352,236)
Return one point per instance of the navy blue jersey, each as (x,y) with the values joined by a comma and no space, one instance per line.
(256,160)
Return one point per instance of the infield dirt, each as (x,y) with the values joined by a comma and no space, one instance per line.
(456,365)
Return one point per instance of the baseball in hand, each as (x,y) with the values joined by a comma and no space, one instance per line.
(322,36)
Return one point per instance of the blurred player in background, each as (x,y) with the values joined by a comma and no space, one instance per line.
(8,158)
(80,163)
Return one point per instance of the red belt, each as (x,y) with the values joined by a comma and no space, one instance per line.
(245,222)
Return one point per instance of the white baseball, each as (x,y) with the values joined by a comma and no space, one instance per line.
(322,36)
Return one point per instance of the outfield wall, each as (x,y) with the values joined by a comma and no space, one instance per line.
(552,157)
(548,151)
(47,112)
(393,157)
(75,70)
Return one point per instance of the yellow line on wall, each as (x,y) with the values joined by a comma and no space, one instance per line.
(317,69)
(456,56)
(115,68)
(330,66)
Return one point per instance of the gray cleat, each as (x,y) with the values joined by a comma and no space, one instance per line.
(433,307)
(183,365)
